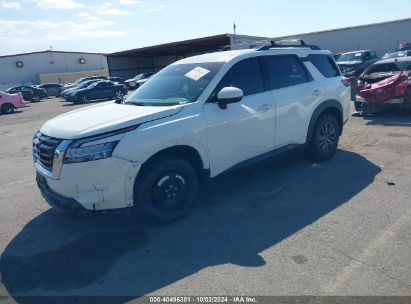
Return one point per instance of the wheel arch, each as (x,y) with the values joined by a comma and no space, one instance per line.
(7,103)
(329,106)
(185,152)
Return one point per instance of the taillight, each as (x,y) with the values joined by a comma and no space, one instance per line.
(346,81)
(401,88)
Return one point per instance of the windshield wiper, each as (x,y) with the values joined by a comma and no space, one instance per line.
(138,103)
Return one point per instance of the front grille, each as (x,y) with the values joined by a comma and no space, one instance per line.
(43,150)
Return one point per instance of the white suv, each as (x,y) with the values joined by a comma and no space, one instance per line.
(194,120)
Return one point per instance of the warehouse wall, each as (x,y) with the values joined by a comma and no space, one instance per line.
(45,63)
(382,38)
(128,67)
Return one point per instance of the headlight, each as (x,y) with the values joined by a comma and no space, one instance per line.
(95,147)
(88,153)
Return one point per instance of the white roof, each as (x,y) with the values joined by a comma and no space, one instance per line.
(226,56)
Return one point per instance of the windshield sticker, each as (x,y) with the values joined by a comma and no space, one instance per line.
(197,73)
(358,54)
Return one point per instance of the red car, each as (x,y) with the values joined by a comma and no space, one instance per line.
(386,83)
(10,102)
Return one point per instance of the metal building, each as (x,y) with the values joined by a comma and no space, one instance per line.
(129,63)
(49,66)
(381,37)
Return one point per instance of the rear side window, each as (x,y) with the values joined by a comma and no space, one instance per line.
(284,71)
(325,64)
(245,75)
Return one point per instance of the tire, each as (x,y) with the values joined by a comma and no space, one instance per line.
(166,190)
(118,95)
(358,105)
(36,98)
(83,99)
(325,137)
(7,108)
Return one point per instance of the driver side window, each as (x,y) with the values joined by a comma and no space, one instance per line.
(245,75)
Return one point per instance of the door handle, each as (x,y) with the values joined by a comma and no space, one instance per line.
(316,93)
(265,107)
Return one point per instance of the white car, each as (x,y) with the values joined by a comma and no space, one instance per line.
(194,120)
(139,80)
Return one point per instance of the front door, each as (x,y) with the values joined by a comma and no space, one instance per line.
(245,129)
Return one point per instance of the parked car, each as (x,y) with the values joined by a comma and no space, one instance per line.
(386,83)
(36,93)
(97,90)
(78,81)
(117,79)
(404,53)
(10,102)
(352,64)
(27,94)
(82,85)
(405,46)
(134,83)
(52,89)
(337,55)
(194,120)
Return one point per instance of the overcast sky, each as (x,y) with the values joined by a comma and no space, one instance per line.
(114,25)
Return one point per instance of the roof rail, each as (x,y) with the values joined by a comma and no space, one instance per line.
(287,44)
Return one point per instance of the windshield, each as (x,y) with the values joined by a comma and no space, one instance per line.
(84,84)
(93,84)
(350,57)
(391,67)
(176,84)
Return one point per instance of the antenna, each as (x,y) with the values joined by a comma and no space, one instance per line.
(235,28)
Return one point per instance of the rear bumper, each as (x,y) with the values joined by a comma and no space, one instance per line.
(373,101)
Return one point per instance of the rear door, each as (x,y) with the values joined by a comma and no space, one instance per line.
(245,129)
(295,94)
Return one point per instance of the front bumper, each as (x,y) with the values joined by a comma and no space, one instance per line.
(71,98)
(54,199)
(99,185)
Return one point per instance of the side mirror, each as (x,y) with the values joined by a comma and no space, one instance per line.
(229,95)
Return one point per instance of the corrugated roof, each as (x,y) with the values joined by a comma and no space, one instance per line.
(346,28)
(49,51)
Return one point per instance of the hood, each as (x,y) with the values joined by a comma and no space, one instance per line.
(348,63)
(103,117)
(142,80)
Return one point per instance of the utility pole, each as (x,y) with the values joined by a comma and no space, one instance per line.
(235,31)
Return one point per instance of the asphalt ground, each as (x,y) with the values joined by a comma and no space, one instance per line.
(288,226)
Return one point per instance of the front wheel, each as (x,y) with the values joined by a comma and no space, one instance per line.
(166,190)
(36,98)
(83,99)
(119,95)
(325,137)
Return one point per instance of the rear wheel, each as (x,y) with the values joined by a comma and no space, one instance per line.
(166,190)
(325,137)
(7,108)
(36,98)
